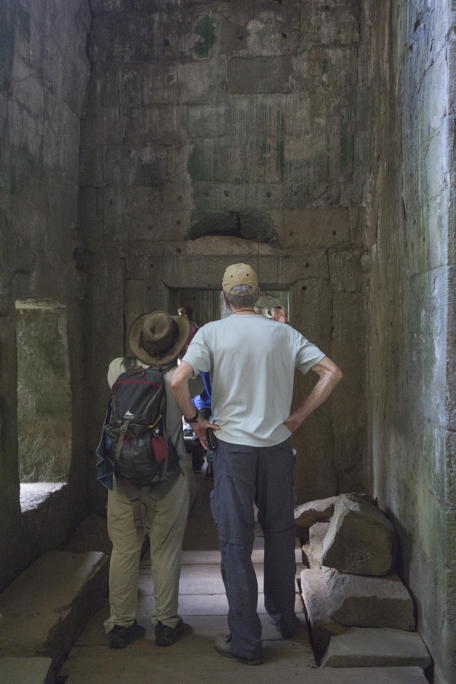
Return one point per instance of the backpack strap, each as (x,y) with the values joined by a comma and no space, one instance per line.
(120,441)
(163,414)
(131,490)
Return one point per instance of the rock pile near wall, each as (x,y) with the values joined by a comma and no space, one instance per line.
(357,607)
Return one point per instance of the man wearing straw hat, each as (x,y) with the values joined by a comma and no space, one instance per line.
(155,339)
(252,360)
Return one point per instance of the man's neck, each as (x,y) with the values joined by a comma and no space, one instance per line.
(243,310)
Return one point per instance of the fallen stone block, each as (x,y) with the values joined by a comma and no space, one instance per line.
(26,671)
(360,538)
(317,535)
(312,512)
(322,626)
(335,601)
(46,607)
(366,647)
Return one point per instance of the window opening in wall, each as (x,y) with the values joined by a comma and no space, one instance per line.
(43,399)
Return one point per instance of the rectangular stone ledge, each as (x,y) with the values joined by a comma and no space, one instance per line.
(26,671)
(365,647)
(313,227)
(260,75)
(45,608)
(200,272)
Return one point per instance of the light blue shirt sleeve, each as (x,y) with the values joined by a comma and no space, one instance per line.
(306,354)
(198,355)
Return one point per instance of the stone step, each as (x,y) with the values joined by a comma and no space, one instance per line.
(26,671)
(336,601)
(46,607)
(366,647)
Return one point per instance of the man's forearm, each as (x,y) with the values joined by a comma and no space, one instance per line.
(330,375)
(317,397)
(184,401)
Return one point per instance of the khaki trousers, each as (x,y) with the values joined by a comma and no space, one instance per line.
(164,521)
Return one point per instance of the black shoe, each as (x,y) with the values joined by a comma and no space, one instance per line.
(119,637)
(222,645)
(288,630)
(167,636)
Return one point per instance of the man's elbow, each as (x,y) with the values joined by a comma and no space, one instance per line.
(175,382)
(337,375)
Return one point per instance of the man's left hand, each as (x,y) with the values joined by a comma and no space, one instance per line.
(200,427)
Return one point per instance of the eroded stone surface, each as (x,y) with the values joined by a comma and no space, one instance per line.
(335,601)
(317,535)
(315,511)
(360,539)
(44,609)
(26,670)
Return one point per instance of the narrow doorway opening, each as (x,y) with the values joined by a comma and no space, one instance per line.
(208,305)
(43,399)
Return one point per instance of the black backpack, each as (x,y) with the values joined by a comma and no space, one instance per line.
(137,445)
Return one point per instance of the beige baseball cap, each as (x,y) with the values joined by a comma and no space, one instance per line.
(239,274)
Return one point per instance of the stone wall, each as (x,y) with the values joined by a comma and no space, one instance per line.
(43,76)
(407,79)
(221,131)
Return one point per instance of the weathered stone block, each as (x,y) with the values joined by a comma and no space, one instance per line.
(273,33)
(314,590)
(45,607)
(207,120)
(346,270)
(335,23)
(259,75)
(360,538)
(26,671)
(98,6)
(376,648)
(312,512)
(319,227)
(129,39)
(316,539)
(361,601)
(335,601)
(169,83)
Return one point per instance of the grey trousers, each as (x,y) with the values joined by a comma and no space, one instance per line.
(244,475)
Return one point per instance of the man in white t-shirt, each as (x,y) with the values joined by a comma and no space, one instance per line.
(252,360)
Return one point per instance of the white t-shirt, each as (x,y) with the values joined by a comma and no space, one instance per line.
(252,360)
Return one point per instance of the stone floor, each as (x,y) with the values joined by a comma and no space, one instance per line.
(203,607)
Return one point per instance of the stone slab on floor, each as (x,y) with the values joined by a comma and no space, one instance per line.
(358,600)
(46,607)
(26,670)
(284,662)
(332,609)
(366,647)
